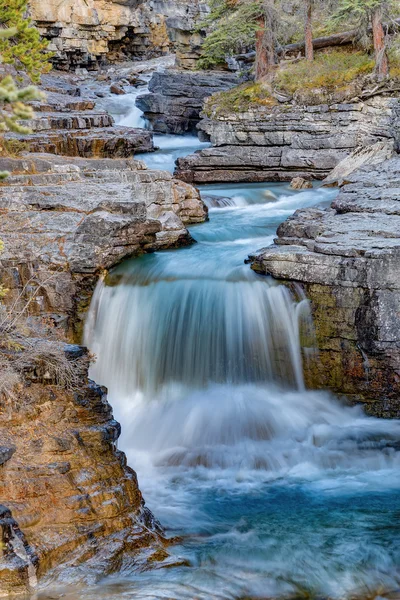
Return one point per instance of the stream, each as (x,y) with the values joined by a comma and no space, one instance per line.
(276,491)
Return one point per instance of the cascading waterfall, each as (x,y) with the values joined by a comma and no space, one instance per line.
(278,492)
(193,332)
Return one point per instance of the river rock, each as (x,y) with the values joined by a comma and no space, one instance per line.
(298,183)
(285,141)
(66,220)
(176,98)
(346,259)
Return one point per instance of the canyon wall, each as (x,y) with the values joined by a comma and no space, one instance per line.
(346,259)
(288,140)
(73,506)
(86,33)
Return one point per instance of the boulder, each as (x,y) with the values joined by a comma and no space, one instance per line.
(176,97)
(299,183)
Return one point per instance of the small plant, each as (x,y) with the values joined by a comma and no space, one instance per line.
(12,148)
(239,99)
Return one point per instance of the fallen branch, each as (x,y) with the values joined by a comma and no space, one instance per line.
(336,39)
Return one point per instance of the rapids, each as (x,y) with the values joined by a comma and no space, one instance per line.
(277,491)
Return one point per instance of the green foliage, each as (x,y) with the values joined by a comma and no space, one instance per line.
(362,8)
(233,27)
(12,107)
(330,70)
(24,48)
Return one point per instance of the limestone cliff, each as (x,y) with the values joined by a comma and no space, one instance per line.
(346,258)
(65,220)
(288,140)
(73,500)
(85,33)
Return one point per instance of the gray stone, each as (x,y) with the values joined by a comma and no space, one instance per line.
(347,260)
(176,97)
(286,141)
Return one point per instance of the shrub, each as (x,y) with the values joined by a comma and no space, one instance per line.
(239,99)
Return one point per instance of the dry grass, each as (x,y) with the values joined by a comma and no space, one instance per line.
(12,148)
(330,70)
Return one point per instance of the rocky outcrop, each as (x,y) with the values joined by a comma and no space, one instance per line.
(176,98)
(346,259)
(86,33)
(66,220)
(69,124)
(69,496)
(287,140)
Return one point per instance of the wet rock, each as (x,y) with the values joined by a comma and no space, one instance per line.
(299,183)
(176,98)
(287,141)
(117,89)
(346,259)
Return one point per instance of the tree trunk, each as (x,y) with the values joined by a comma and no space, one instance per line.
(381,60)
(308,31)
(262,66)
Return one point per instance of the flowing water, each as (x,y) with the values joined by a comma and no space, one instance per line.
(277,492)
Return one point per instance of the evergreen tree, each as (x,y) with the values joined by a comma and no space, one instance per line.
(370,12)
(25,49)
(308,35)
(12,100)
(235,26)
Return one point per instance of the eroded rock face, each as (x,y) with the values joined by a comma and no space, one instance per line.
(347,260)
(176,98)
(286,141)
(84,33)
(70,498)
(66,220)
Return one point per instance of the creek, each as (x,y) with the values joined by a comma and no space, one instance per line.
(276,491)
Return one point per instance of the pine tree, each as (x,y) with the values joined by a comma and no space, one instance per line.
(12,100)
(308,35)
(370,12)
(25,49)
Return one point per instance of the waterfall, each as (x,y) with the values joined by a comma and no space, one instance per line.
(150,332)
(277,491)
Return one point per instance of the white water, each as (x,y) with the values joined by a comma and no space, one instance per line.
(279,492)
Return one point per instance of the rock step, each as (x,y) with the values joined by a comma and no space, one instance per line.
(103,142)
(346,259)
(73,120)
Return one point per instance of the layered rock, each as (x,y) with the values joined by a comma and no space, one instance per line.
(287,140)
(87,33)
(67,124)
(176,98)
(66,220)
(346,259)
(69,496)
